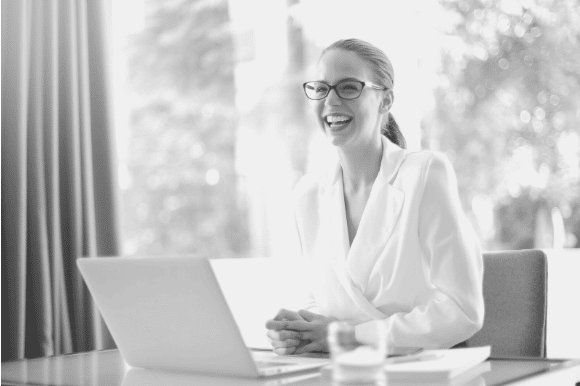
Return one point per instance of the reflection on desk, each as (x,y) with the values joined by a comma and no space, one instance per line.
(108,368)
(142,377)
(91,368)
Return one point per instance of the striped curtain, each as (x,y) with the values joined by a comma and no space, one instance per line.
(59,197)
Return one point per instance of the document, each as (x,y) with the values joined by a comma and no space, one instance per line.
(435,365)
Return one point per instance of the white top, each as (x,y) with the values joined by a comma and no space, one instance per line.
(415,263)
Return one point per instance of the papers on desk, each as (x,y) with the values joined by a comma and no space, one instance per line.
(436,366)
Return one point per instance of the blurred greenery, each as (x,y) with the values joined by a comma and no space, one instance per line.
(182,194)
(506,112)
(509,85)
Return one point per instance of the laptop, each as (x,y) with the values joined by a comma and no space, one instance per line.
(170,313)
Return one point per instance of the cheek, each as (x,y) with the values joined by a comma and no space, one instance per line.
(317,107)
(368,114)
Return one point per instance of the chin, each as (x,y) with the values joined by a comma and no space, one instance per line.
(338,140)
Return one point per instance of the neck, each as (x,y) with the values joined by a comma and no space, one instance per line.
(361,164)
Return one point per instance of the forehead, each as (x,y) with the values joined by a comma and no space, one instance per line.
(337,64)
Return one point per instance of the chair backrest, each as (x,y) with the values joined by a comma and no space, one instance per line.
(515,291)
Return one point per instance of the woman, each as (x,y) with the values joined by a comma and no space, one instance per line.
(384,231)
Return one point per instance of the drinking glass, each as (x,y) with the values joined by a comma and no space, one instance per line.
(354,362)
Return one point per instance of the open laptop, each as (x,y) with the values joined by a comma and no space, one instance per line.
(170,313)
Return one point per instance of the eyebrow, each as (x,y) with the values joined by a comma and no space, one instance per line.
(342,80)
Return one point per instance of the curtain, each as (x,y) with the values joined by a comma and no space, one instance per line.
(59,197)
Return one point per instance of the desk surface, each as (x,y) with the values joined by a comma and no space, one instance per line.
(108,368)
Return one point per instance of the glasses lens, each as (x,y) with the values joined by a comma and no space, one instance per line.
(349,90)
(316,90)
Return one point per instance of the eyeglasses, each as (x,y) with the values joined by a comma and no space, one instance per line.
(348,89)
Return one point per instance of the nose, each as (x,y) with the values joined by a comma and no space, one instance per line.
(332,98)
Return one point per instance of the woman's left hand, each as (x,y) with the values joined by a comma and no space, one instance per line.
(313,328)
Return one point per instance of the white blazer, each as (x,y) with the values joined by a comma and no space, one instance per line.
(415,263)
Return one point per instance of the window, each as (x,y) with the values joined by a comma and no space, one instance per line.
(214,130)
(507,114)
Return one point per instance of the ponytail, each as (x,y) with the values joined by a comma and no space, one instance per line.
(391,130)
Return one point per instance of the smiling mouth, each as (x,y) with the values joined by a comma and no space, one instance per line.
(337,121)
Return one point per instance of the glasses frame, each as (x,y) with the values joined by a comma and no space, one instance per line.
(331,87)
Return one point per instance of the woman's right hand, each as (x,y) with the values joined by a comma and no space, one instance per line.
(284,342)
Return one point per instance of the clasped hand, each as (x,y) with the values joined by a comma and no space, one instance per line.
(299,332)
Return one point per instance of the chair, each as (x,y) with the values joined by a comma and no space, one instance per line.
(515,292)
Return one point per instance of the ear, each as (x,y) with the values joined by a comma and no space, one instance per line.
(387,102)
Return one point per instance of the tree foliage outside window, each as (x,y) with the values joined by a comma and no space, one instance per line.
(508,114)
(182,192)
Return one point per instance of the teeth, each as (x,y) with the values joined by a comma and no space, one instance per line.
(336,118)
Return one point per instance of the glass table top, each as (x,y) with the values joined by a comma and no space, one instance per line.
(109,368)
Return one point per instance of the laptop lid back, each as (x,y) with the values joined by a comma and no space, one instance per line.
(167,313)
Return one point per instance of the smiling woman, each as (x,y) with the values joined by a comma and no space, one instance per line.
(196,87)
(383,229)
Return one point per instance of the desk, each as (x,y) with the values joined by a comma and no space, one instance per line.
(108,368)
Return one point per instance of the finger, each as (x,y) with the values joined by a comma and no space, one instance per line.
(275,325)
(297,325)
(314,346)
(308,316)
(284,314)
(268,324)
(279,325)
(283,334)
(284,343)
(285,350)
(309,335)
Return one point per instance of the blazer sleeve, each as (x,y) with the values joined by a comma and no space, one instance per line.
(309,301)
(453,310)
(296,250)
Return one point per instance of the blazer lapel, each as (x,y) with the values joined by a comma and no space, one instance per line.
(337,237)
(333,215)
(379,219)
(333,218)
(353,264)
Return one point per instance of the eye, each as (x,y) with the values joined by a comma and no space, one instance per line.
(349,86)
(349,90)
(316,90)
(320,88)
